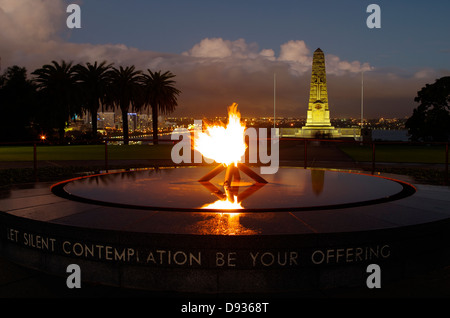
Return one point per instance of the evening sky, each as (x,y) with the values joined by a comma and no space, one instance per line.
(228,51)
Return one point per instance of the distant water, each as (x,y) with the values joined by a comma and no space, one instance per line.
(390,135)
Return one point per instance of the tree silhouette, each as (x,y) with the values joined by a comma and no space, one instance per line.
(160,94)
(430,121)
(93,81)
(124,92)
(58,93)
(17,106)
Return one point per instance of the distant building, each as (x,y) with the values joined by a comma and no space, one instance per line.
(106,120)
(318,123)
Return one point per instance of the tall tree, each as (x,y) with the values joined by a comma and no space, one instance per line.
(93,80)
(159,92)
(17,105)
(58,91)
(430,121)
(124,93)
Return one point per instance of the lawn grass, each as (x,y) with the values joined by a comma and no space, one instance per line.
(384,153)
(397,153)
(72,153)
(85,152)
(394,153)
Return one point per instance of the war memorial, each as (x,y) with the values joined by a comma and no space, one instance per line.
(318,123)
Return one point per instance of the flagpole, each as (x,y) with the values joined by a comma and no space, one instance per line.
(362,97)
(274,97)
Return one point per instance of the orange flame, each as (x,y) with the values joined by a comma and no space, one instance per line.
(224,145)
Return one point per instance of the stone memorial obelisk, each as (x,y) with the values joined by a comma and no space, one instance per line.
(318,115)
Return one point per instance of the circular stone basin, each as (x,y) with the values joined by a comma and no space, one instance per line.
(178,189)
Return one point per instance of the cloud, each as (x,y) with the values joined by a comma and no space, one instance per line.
(425,73)
(211,48)
(218,48)
(26,26)
(294,54)
(295,51)
(334,65)
(35,21)
(215,72)
(297,55)
(268,54)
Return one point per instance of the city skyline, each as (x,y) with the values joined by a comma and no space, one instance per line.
(115,119)
(230,52)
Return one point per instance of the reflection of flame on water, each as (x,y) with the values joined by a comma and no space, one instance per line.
(224,205)
(223,223)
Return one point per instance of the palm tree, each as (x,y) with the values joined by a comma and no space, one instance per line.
(124,91)
(93,80)
(56,85)
(160,94)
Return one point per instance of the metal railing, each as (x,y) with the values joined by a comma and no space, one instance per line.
(106,140)
(373,147)
(372,144)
